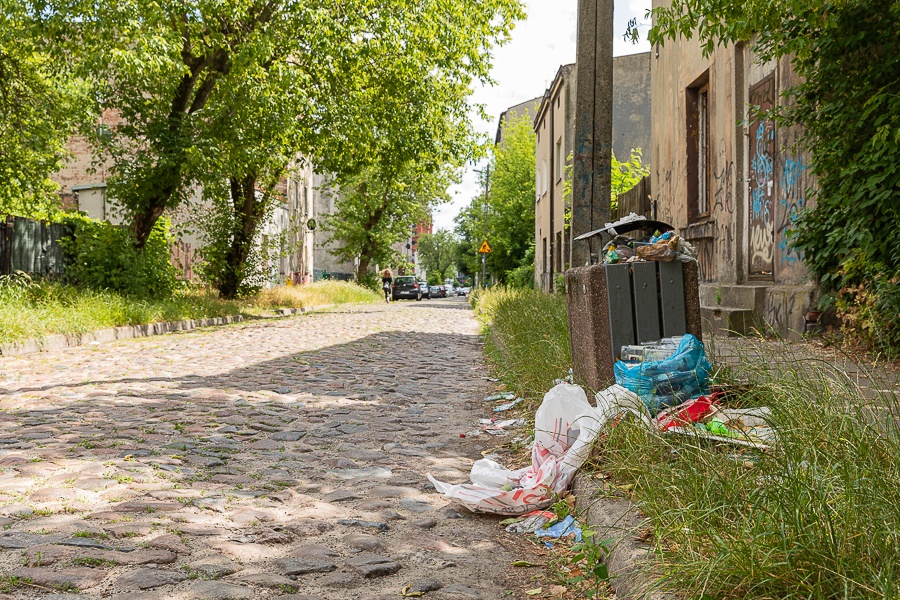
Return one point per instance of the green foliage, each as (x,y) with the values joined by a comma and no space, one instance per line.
(38,112)
(870,309)
(847,57)
(102,257)
(50,308)
(527,337)
(627,174)
(378,208)
(434,278)
(816,517)
(522,277)
(510,219)
(436,252)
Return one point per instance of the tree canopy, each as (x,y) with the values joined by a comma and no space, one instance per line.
(39,109)
(437,252)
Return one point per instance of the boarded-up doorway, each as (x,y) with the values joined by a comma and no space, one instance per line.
(762,182)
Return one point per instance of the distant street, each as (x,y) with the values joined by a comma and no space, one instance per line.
(282,458)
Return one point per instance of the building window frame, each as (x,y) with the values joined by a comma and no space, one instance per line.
(699,148)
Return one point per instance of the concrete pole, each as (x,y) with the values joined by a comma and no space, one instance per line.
(487,185)
(593,124)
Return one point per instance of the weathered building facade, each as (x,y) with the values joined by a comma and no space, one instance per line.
(554,127)
(730,182)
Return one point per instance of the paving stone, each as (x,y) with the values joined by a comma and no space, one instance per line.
(267,580)
(288,436)
(216,590)
(146,579)
(426,523)
(169,542)
(213,567)
(270,536)
(361,541)
(372,525)
(371,565)
(373,505)
(303,565)
(80,578)
(340,496)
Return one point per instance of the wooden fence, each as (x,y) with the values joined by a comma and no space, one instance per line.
(31,247)
(636,200)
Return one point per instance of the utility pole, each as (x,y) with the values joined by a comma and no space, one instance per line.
(593,123)
(487,185)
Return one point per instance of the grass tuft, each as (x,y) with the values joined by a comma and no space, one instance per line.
(46,308)
(815,518)
(526,338)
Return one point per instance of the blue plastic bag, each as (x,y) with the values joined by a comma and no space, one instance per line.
(666,383)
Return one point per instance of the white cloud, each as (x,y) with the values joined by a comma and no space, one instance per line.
(525,67)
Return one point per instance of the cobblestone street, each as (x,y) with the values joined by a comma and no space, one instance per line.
(274,458)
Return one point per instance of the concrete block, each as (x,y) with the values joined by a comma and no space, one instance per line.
(56,342)
(589,336)
(104,335)
(720,321)
(125,332)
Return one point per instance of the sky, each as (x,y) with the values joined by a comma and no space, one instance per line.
(525,67)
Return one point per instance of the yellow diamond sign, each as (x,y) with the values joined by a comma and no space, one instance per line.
(485,248)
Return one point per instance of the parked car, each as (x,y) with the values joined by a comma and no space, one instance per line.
(463,291)
(426,291)
(406,286)
(438,291)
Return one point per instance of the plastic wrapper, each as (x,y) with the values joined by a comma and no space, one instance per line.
(669,382)
(664,250)
(565,427)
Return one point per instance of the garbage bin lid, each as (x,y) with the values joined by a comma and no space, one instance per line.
(627,225)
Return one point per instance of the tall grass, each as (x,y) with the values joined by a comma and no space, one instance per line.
(316,294)
(37,309)
(526,337)
(816,517)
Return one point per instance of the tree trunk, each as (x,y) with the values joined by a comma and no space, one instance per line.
(248,212)
(363,268)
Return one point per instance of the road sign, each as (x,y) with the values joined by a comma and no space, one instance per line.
(485,248)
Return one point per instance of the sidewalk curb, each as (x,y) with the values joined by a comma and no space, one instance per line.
(61,341)
(628,559)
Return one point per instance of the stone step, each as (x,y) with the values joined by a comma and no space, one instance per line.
(748,296)
(727,321)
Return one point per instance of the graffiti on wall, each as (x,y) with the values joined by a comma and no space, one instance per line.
(793,183)
(762,182)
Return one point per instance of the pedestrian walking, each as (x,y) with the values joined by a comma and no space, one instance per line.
(387,281)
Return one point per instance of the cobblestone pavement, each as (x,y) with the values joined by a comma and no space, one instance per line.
(281,458)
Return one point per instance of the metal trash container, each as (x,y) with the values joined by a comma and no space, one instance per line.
(614,305)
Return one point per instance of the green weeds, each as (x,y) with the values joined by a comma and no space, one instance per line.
(815,518)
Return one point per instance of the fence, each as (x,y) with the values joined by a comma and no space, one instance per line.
(636,200)
(319,275)
(31,246)
(183,256)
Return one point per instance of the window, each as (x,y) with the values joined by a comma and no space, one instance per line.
(703,152)
(544,261)
(698,148)
(560,160)
(545,178)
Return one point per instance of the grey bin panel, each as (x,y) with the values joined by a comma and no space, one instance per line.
(671,297)
(646,310)
(621,317)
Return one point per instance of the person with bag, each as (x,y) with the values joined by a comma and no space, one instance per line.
(386,282)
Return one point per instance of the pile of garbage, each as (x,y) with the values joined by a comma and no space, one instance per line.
(661,247)
(665,385)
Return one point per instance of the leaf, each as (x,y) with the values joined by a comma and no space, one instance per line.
(534,592)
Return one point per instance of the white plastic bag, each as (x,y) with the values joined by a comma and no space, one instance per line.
(565,427)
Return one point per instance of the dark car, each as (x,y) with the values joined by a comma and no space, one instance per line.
(406,286)
(438,291)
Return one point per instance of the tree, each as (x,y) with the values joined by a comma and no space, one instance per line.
(39,109)
(437,252)
(408,131)
(847,57)
(377,209)
(160,66)
(626,174)
(510,218)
